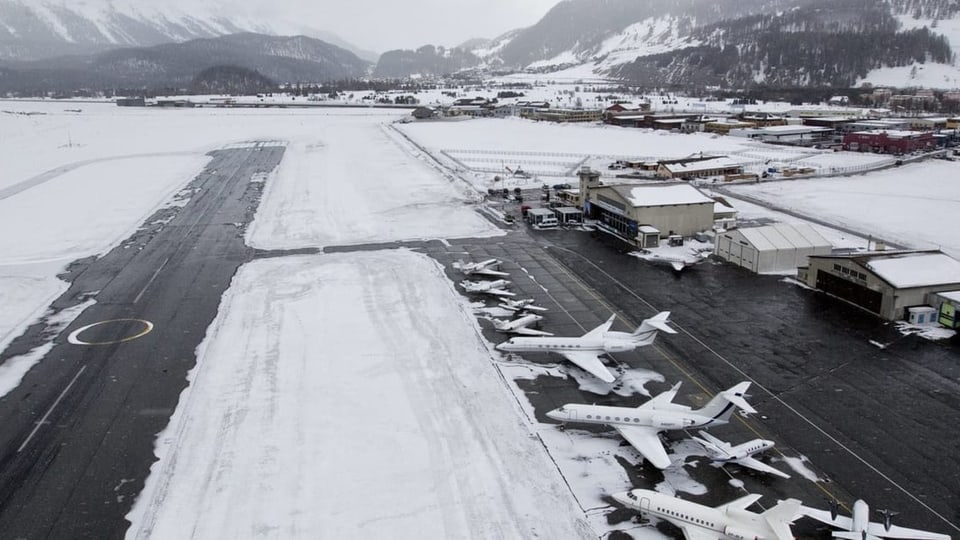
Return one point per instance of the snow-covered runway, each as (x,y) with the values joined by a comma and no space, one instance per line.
(350,395)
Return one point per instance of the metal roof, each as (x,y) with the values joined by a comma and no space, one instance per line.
(784,236)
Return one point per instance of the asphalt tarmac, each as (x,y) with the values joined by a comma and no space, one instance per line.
(79,432)
(876,424)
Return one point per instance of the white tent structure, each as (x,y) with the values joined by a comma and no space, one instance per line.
(772,249)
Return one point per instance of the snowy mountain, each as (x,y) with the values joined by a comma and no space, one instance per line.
(39,29)
(729,43)
(174,65)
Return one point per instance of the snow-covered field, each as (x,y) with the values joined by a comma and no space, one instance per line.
(364,404)
(354,182)
(906,205)
(76,183)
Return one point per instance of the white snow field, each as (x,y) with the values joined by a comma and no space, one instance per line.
(75,184)
(906,205)
(352,182)
(346,396)
(519,135)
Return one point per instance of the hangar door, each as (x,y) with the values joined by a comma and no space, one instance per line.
(741,255)
(849,291)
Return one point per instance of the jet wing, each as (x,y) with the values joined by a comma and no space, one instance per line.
(590,363)
(877,529)
(498,292)
(646,440)
(599,331)
(740,504)
(692,532)
(823,516)
(757,465)
(531,332)
(661,400)
(489,272)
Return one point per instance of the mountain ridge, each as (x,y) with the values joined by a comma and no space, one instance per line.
(175,65)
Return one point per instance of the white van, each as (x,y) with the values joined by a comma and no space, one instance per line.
(548,222)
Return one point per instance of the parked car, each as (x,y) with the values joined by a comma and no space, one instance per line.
(562,186)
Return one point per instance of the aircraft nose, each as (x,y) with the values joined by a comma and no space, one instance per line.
(624,499)
(555,414)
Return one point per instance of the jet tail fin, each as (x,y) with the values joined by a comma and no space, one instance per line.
(781,516)
(657,322)
(721,406)
(736,395)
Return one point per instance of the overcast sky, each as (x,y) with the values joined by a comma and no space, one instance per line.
(381,25)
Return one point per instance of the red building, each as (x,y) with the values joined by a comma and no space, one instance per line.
(888,142)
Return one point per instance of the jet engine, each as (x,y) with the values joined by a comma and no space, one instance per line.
(669,421)
(618,346)
(739,534)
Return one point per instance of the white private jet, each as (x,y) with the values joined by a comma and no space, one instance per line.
(489,267)
(641,426)
(585,351)
(520,325)
(731,520)
(519,306)
(495,288)
(859,526)
(741,454)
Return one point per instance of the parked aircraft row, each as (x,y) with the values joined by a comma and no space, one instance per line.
(641,427)
(733,521)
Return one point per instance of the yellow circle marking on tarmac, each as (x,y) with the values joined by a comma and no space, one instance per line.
(74,336)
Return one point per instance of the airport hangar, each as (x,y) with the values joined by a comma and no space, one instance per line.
(771,249)
(642,213)
(886,283)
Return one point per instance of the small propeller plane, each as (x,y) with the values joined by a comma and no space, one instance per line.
(859,526)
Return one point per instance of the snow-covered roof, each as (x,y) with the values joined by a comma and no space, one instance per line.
(784,236)
(953,296)
(645,195)
(648,229)
(905,270)
(892,133)
(705,165)
(781,130)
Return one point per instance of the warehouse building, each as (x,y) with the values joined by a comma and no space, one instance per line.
(718,166)
(670,208)
(886,283)
(773,249)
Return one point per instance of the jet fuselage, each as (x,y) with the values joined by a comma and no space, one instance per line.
(680,417)
(606,344)
(731,523)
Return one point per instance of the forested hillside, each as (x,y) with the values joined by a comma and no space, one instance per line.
(822,44)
